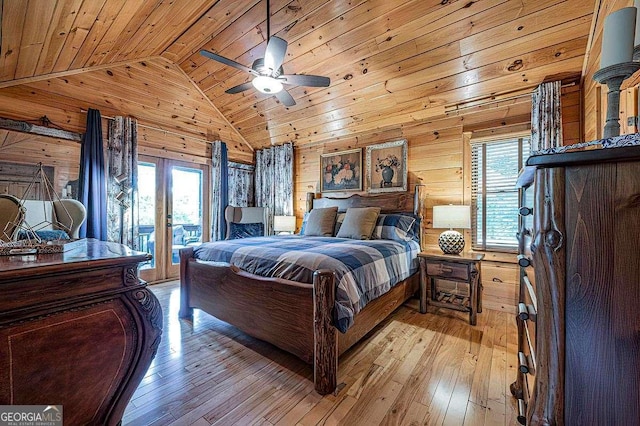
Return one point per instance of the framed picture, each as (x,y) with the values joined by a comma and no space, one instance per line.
(387,167)
(341,171)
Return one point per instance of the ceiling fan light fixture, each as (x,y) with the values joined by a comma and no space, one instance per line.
(266,84)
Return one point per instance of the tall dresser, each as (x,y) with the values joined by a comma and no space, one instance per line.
(579,311)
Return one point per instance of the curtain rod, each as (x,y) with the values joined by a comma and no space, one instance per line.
(463,105)
(106,117)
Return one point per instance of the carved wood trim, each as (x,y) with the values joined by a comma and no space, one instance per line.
(548,249)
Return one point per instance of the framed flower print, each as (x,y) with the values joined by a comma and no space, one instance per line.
(387,167)
(341,171)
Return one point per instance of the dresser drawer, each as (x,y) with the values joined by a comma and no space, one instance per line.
(448,270)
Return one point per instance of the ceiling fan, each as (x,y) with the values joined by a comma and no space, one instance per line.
(269,77)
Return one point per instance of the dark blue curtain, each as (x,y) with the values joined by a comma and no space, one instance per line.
(92,189)
(224,188)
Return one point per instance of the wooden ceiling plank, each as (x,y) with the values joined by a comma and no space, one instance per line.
(534,22)
(76,37)
(454,31)
(99,28)
(60,74)
(215,73)
(61,24)
(562,50)
(13,17)
(456,25)
(496,55)
(33,36)
(156,43)
(217,18)
(111,52)
(237,133)
(502,84)
(246,33)
(152,23)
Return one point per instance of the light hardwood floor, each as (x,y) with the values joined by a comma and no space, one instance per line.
(432,369)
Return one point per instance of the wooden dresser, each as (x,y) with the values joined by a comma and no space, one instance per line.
(77,329)
(578,320)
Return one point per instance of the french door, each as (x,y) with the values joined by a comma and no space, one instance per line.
(173,212)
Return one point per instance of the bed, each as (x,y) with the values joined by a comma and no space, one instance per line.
(298,317)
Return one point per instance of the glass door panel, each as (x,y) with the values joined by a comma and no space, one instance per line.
(185,213)
(150,198)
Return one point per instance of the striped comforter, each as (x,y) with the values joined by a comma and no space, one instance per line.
(364,269)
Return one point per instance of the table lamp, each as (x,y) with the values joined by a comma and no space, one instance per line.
(451,241)
(284,224)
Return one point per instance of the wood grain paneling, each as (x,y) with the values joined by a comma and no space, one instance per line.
(391,62)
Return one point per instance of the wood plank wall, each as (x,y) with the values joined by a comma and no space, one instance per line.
(595,95)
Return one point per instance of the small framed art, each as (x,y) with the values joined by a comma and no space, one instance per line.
(387,167)
(341,171)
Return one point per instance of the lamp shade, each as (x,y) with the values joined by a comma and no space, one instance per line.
(284,223)
(618,38)
(452,216)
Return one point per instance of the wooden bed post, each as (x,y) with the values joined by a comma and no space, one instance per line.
(325,339)
(186,311)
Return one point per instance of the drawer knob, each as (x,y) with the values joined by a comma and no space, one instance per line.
(524,365)
(523,261)
(523,313)
(525,211)
(522,412)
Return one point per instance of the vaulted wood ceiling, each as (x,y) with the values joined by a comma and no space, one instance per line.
(390,62)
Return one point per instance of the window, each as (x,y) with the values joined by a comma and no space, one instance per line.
(494,197)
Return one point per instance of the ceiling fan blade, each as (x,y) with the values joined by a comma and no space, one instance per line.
(274,55)
(239,88)
(227,61)
(286,99)
(305,80)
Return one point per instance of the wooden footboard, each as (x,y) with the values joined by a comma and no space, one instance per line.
(293,316)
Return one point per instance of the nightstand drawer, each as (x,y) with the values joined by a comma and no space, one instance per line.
(448,270)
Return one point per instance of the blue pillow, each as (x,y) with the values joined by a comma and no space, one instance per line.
(305,218)
(397,227)
(44,235)
(245,230)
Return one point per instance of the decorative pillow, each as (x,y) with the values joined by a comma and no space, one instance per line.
(397,227)
(321,222)
(44,235)
(305,218)
(339,220)
(245,230)
(359,223)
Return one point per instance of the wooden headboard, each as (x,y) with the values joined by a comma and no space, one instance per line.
(393,202)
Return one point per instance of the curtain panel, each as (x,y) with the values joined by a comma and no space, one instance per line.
(219,189)
(241,184)
(122,182)
(274,179)
(92,188)
(546,117)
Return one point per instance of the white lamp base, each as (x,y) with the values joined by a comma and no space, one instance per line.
(451,242)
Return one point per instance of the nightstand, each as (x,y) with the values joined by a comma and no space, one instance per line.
(459,268)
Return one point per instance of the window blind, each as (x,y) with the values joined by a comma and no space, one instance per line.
(494,198)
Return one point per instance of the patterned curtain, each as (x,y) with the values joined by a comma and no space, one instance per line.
(274,179)
(122,182)
(241,184)
(546,117)
(219,189)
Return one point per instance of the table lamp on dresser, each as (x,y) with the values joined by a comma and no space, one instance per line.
(450,216)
